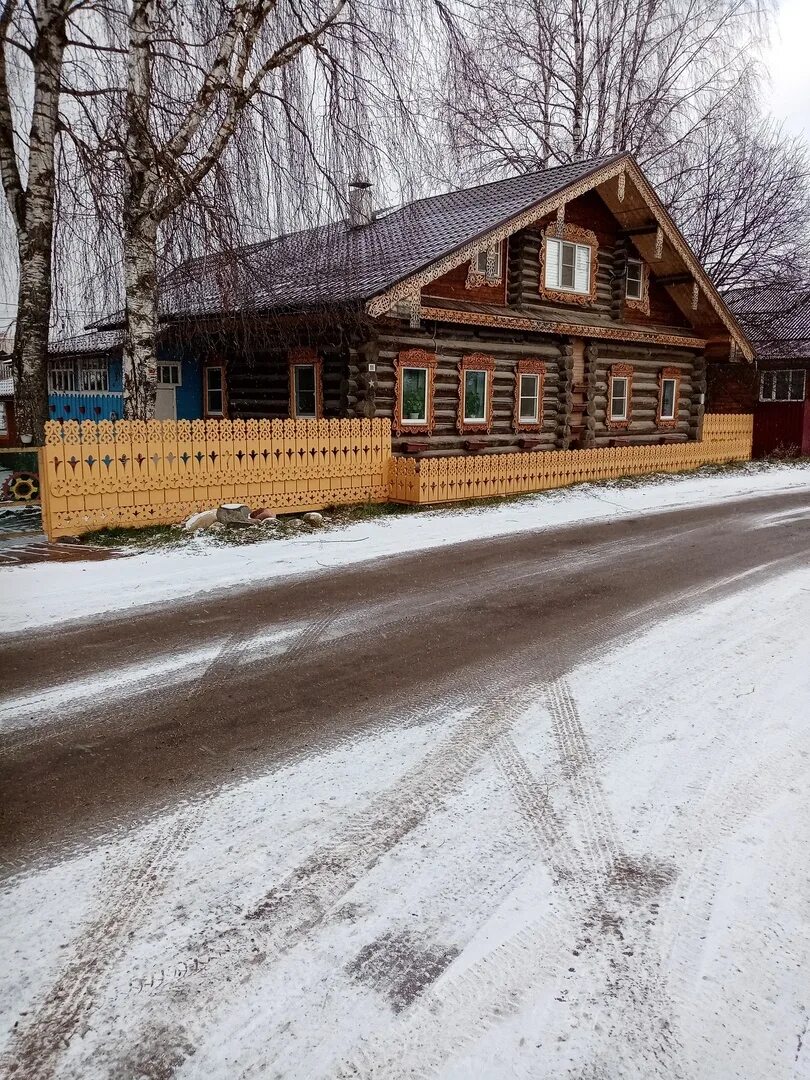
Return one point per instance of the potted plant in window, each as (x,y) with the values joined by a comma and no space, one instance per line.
(413,405)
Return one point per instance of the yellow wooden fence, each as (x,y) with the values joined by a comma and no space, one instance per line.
(96,474)
(451,479)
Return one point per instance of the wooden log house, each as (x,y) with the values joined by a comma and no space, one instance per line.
(547,311)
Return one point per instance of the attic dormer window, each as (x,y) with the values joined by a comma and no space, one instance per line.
(482,263)
(569,257)
(635,280)
(637,286)
(486,267)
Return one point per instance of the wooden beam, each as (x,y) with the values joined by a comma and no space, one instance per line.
(641,230)
(674,279)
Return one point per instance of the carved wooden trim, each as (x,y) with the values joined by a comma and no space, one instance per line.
(619,371)
(668,373)
(643,303)
(576,235)
(383,302)
(475,362)
(475,279)
(413,358)
(530,367)
(378,305)
(542,326)
(304,357)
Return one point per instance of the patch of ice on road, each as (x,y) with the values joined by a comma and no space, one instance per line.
(42,594)
(41,707)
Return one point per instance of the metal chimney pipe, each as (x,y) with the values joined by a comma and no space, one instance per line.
(360,212)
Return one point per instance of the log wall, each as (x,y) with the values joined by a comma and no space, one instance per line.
(450,344)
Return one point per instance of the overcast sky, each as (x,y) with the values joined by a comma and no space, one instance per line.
(788,60)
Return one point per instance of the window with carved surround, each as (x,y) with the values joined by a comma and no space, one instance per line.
(637,286)
(413,412)
(529,382)
(475,377)
(568,264)
(669,387)
(620,397)
(487,266)
(306,384)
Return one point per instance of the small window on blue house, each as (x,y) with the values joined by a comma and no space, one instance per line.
(63,377)
(214,391)
(94,377)
(168,375)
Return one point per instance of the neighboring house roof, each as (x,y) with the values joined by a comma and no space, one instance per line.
(776,318)
(94,341)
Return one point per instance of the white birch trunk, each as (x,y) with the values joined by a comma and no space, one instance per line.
(33,214)
(140,225)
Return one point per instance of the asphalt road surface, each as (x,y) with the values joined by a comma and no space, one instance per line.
(117,719)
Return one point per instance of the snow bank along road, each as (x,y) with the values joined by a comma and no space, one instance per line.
(534,806)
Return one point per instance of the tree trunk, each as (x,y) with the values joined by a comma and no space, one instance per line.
(35,229)
(140,224)
(140,284)
(31,339)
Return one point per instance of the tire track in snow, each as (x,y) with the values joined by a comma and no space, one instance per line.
(455,1013)
(315,889)
(126,903)
(310,891)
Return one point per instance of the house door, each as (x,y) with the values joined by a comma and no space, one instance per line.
(168,379)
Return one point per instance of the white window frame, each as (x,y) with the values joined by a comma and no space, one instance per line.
(535,418)
(611,383)
(3,418)
(772,374)
(63,378)
(483,257)
(220,390)
(97,371)
(672,415)
(296,368)
(640,294)
(585,249)
(423,419)
(475,419)
(162,365)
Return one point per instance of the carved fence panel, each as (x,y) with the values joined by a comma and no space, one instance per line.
(134,472)
(436,480)
(99,473)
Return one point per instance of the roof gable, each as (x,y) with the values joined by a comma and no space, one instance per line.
(612,178)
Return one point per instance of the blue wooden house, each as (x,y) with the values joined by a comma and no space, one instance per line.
(85,381)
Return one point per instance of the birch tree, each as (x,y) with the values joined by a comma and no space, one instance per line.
(36,37)
(185,103)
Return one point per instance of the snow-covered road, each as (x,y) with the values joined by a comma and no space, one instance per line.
(595,871)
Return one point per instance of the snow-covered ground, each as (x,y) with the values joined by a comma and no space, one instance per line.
(603,876)
(42,594)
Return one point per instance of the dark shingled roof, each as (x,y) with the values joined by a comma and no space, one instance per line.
(335,264)
(94,341)
(776,318)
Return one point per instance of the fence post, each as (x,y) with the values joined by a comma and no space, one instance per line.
(44,504)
